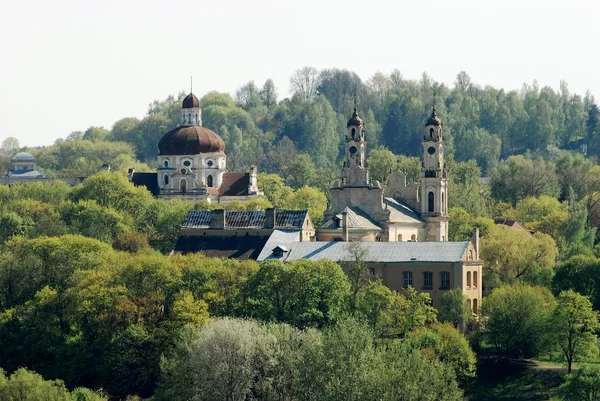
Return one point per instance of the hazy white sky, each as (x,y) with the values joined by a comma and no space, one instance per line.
(66,65)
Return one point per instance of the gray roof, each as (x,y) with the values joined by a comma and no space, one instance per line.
(357,219)
(284,219)
(23,156)
(400,213)
(382,252)
(25,174)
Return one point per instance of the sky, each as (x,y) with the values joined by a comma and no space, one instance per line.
(66,65)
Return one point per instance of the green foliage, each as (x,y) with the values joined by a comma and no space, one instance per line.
(382,163)
(583,385)
(455,308)
(581,274)
(301,293)
(447,344)
(311,199)
(24,385)
(518,320)
(575,324)
(241,359)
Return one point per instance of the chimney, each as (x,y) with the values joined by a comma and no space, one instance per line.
(476,242)
(217,219)
(130,173)
(270,218)
(345,227)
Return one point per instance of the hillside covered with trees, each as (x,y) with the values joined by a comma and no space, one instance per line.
(92,308)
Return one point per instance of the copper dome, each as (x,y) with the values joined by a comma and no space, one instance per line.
(190,140)
(190,101)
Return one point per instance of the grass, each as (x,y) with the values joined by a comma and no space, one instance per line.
(502,379)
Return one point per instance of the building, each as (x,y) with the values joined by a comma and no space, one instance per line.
(192,164)
(403,228)
(241,234)
(431,267)
(23,169)
(399,212)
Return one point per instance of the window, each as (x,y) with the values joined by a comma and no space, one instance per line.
(399,237)
(413,238)
(475,280)
(470,254)
(443,203)
(372,271)
(209,163)
(468,280)
(445,280)
(166,179)
(430,201)
(353,132)
(187,163)
(407,279)
(427,280)
(475,306)
(209,181)
(431,132)
(166,163)
(182,171)
(183,185)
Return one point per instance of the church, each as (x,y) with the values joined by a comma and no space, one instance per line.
(363,210)
(192,164)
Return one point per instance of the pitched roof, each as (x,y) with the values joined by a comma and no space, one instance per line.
(357,219)
(234,184)
(247,247)
(148,180)
(400,213)
(284,219)
(382,252)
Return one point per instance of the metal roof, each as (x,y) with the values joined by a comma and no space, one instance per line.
(382,252)
(400,213)
(357,219)
(284,219)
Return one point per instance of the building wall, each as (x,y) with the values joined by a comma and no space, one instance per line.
(398,232)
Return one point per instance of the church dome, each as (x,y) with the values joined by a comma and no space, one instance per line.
(190,101)
(23,157)
(190,140)
(434,119)
(355,120)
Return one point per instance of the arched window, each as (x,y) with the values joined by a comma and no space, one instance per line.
(475,306)
(165,179)
(413,238)
(166,163)
(475,282)
(468,280)
(399,237)
(209,181)
(470,254)
(353,132)
(431,132)
(183,185)
(430,201)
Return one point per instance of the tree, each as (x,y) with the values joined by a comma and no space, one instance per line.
(382,163)
(310,199)
(518,319)
(274,188)
(519,177)
(575,324)
(302,293)
(10,145)
(514,254)
(268,94)
(583,385)
(449,346)
(580,273)
(305,82)
(301,171)
(356,268)
(24,385)
(455,308)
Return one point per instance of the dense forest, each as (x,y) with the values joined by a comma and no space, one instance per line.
(93,308)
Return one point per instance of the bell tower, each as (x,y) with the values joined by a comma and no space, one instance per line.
(434,181)
(355,167)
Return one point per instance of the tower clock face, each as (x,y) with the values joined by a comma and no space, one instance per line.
(352,149)
(431,150)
